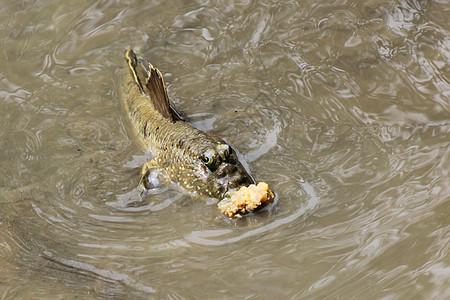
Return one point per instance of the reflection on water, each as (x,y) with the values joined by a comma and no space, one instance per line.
(342,107)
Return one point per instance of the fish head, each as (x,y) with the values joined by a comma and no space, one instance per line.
(220,171)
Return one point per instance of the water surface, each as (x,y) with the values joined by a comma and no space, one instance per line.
(342,107)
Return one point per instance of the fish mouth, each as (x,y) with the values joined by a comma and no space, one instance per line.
(230,177)
(227,194)
(231,186)
(228,189)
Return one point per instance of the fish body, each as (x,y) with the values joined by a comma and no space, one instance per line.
(201,163)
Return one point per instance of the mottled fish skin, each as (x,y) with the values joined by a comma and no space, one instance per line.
(201,163)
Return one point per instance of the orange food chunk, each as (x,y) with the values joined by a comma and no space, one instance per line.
(246,200)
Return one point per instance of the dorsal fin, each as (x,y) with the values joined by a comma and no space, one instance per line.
(155,88)
(151,83)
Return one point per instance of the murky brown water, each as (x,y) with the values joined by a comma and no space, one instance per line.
(342,107)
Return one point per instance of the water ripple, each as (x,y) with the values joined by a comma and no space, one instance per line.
(342,107)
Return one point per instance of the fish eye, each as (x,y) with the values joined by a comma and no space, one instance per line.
(209,159)
(206,159)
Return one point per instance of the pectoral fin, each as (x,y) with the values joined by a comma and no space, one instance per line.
(152,177)
(145,171)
